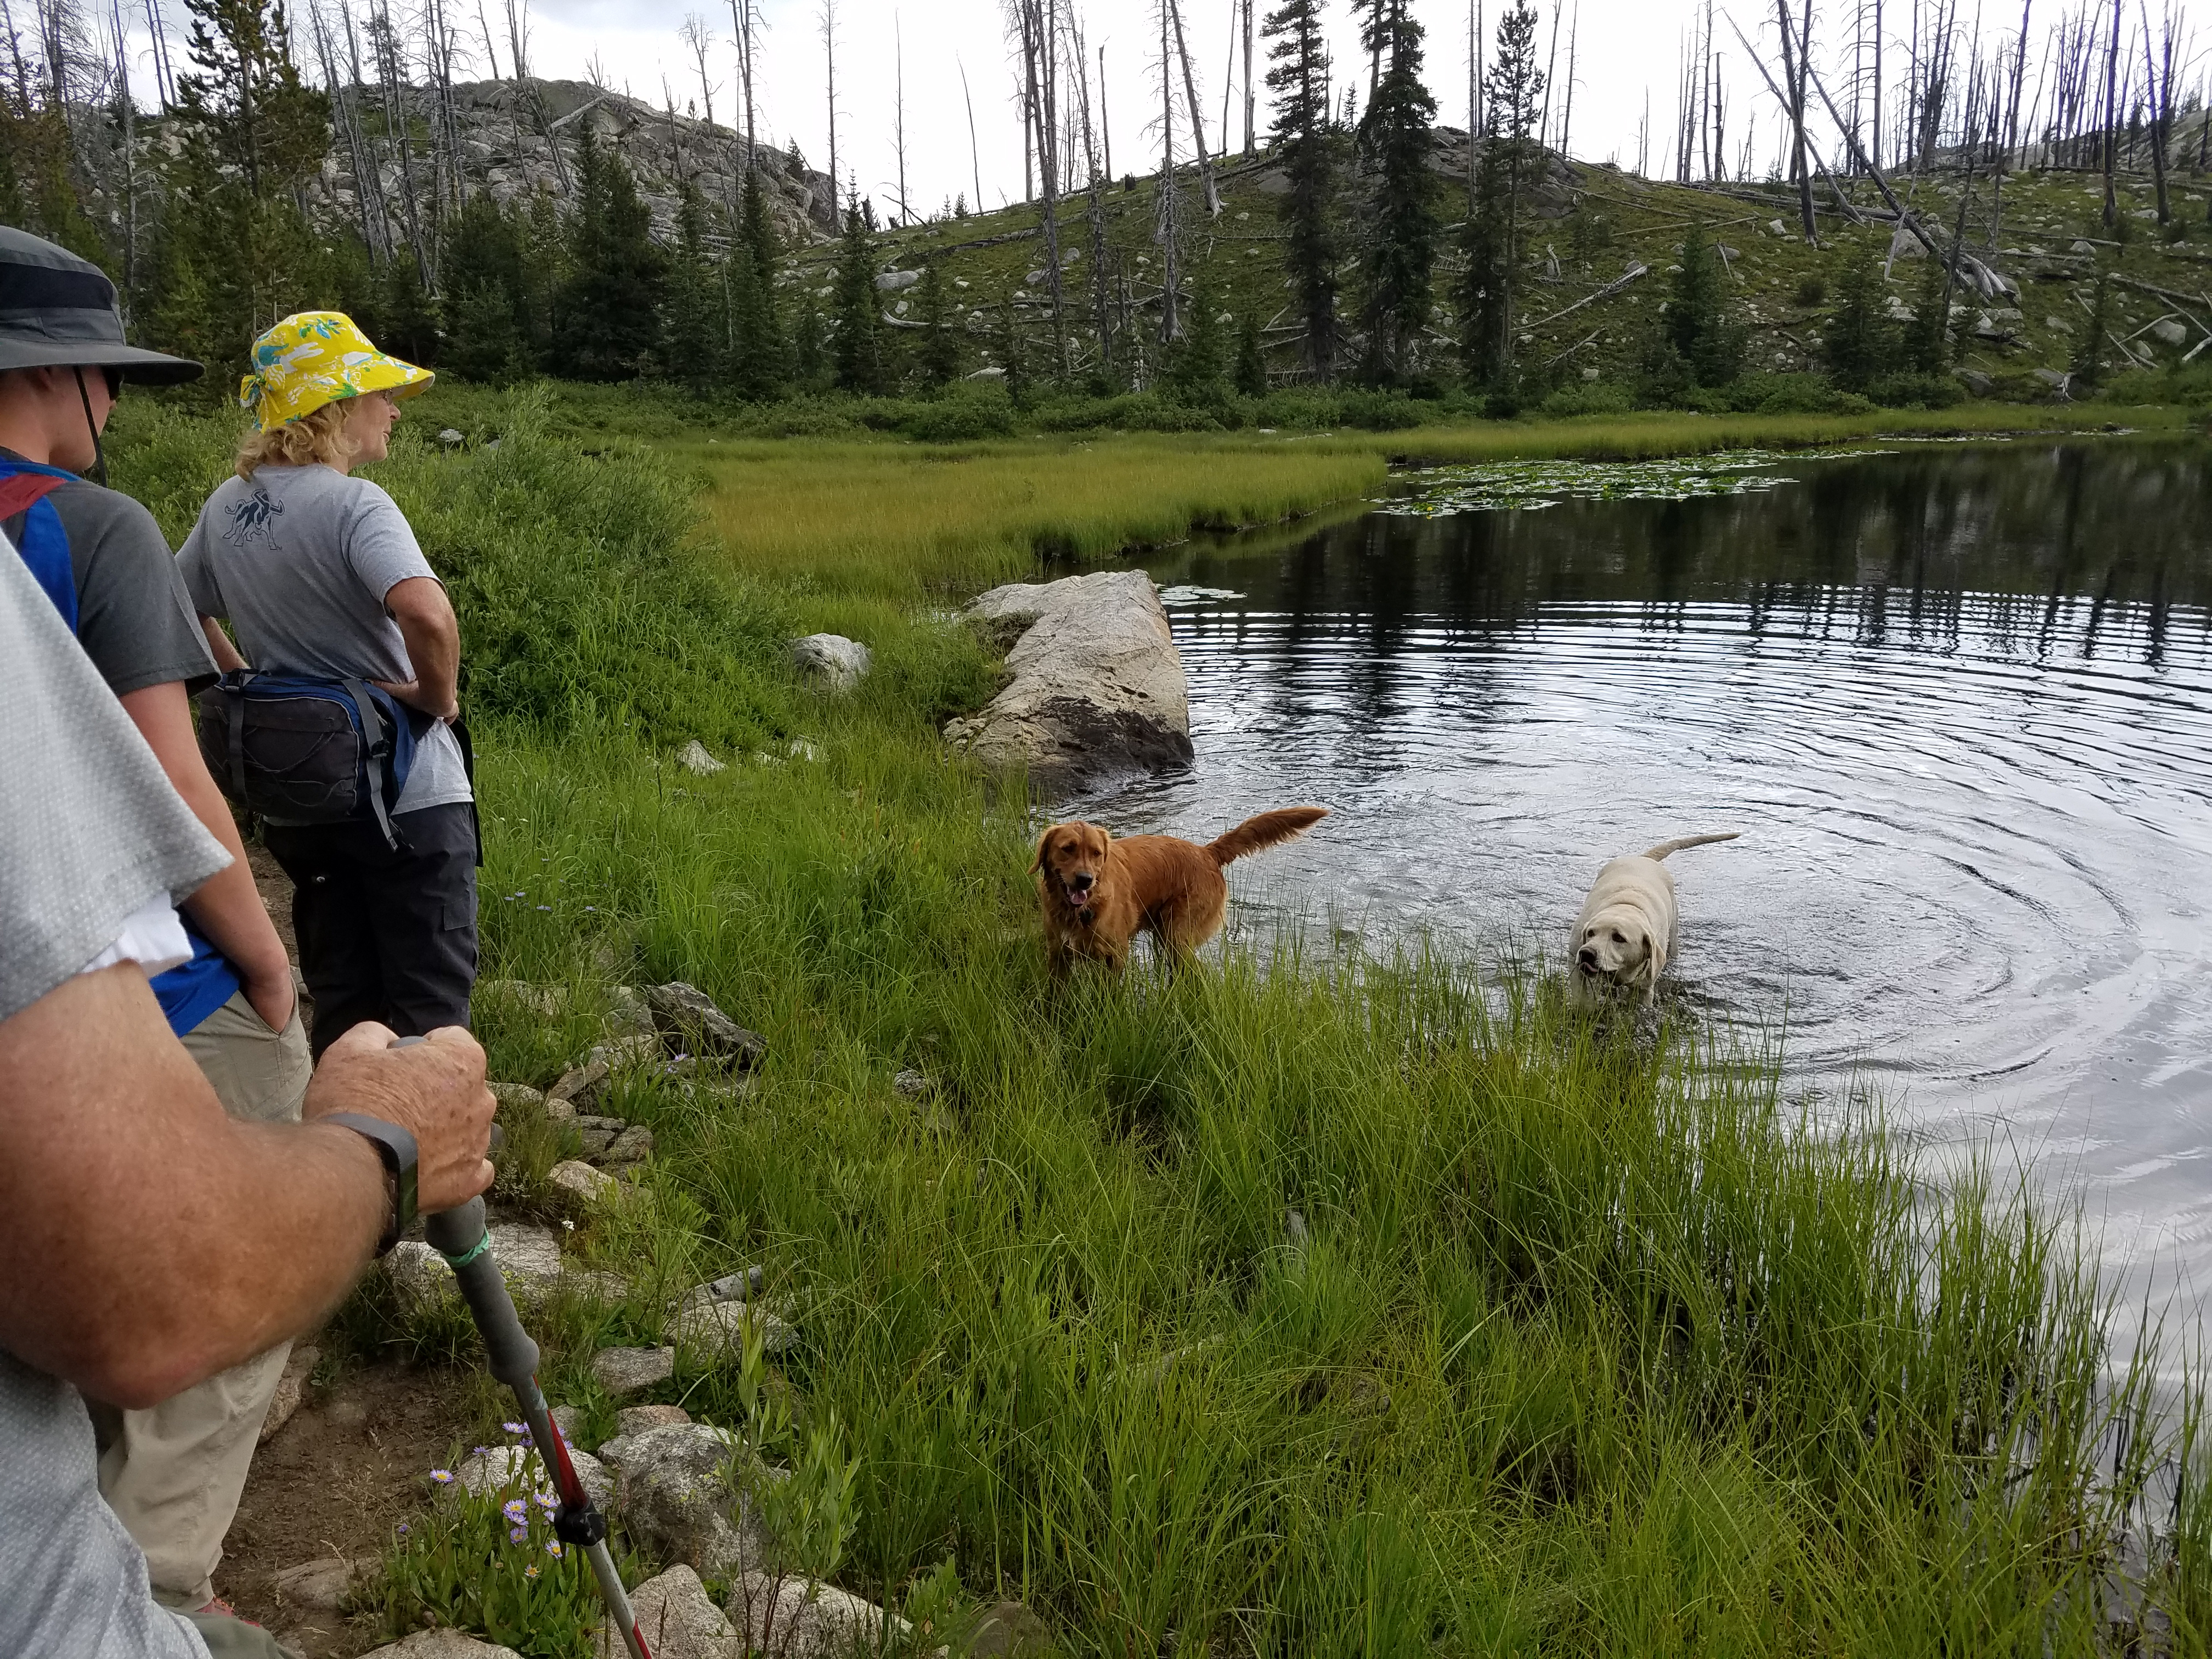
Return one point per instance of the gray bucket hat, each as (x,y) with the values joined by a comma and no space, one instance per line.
(59,311)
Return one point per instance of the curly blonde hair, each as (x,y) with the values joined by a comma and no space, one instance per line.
(316,436)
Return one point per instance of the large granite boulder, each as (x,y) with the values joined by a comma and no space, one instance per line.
(1096,687)
(678,1487)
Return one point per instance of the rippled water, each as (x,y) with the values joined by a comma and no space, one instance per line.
(1959,701)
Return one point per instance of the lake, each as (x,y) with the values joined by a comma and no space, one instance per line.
(1958,698)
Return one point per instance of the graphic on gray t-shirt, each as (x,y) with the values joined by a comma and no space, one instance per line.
(93,831)
(298,560)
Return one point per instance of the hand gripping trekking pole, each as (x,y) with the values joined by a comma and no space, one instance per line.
(460,1237)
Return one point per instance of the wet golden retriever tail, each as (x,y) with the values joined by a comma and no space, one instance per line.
(1667,846)
(1256,834)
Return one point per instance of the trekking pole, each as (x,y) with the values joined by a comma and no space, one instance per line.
(462,1239)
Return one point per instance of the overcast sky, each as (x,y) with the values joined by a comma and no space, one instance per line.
(1626,68)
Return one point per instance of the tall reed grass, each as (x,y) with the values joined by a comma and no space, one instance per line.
(1377,1305)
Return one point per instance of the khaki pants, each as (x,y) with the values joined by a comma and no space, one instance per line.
(173,1474)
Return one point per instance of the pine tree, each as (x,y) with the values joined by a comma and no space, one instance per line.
(697,330)
(857,352)
(1398,258)
(480,267)
(2089,364)
(1195,361)
(938,358)
(607,320)
(233,251)
(1299,80)
(759,365)
(1858,342)
(1927,342)
(809,351)
(1513,102)
(1700,322)
(1251,358)
(1013,356)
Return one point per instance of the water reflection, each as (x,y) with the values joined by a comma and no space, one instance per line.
(1959,701)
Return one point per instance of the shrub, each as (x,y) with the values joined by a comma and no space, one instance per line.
(1812,292)
(985,411)
(1379,411)
(1593,397)
(1916,391)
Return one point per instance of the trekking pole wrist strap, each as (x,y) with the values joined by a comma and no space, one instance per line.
(395,1148)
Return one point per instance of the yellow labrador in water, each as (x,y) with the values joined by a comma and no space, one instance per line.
(1627,930)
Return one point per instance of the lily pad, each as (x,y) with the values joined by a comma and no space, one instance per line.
(1526,486)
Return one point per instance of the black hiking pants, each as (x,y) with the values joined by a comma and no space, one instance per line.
(385,935)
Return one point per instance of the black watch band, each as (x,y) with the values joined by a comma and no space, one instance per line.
(396,1146)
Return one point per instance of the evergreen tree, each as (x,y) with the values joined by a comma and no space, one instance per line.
(404,322)
(809,352)
(1251,358)
(1398,258)
(758,366)
(698,332)
(938,358)
(1299,80)
(1195,361)
(607,315)
(1012,358)
(2089,364)
(858,353)
(1926,343)
(234,251)
(1859,341)
(1513,102)
(1698,321)
(480,267)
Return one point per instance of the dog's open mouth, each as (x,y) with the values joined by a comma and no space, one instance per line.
(1078,897)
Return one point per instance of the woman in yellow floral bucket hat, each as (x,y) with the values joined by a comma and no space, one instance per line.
(320,390)
(319,577)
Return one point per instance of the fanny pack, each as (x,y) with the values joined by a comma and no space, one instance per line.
(304,750)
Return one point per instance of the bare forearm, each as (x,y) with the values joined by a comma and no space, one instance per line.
(226,657)
(181,1242)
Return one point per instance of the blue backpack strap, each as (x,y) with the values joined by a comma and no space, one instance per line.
(43,543)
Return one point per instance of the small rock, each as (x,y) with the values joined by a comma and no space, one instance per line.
(517,1097)
(496,1469)
(636,1419)
(912,1086)
(642,1049)
(2058,325)
(441,1644)
(804,749)
(676,1495)
(627,1370)
(570,1422)
(291,1389)
(2078,247)
(1978,383)
(890,282)
(838,663)
(321,1584)
(559,1111)
(1775,227)
(627,1012)
(2170,332)
(599,1133)
(678,1619)
(685,1012)
(730,1287)
(633,1146)
(718,1329)
(2057,379)
(1294,1230)
(582,1086)
(798,1620)
(1010,1631)
(581,1183)
(693,757)
(546,1001)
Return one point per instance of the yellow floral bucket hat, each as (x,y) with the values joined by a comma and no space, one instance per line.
(317,357)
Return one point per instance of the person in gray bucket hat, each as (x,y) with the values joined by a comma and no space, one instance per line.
(172,1472)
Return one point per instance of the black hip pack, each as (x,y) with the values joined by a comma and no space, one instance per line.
(306,750)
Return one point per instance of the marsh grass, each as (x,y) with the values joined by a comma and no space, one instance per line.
(1581,1343)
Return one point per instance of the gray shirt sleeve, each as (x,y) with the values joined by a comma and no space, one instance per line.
(91,827)
(379,544)
(134,618)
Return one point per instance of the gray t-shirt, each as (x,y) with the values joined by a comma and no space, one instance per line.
(133,618)
(298,560)
(90,830)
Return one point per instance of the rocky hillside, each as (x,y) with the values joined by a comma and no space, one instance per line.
(519,137)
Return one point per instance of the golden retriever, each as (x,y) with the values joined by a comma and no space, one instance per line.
(1098,893)
(1626,933)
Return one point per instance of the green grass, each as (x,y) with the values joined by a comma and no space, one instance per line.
(1595,1344)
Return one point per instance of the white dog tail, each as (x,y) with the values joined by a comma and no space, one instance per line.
(1667,846)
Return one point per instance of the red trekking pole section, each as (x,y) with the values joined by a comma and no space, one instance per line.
(459,1235)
